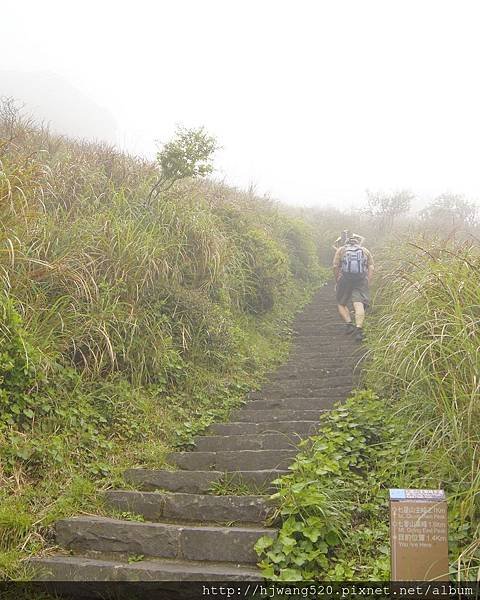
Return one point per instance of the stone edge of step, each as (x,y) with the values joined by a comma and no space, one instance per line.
(64,563)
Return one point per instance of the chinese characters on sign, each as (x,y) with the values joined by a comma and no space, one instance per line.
(418,535)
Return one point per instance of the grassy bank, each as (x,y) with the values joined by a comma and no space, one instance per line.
(416,426)
(426,336)
(126,325)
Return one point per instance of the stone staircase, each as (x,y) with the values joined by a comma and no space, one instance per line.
(190,534)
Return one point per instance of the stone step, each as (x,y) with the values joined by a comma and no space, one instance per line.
(309,370)
(199,482)
(304,394)
(342,355)
(301,389)
(308,374)
(327,381)
(173,481)
(78,569)
(310,334)
(275,394)
(155,506)
(300,381)
(327,335)
(293,403)
(311,377)
(329,321)
(262,416)
(268,441)
(331,337)
(82,535)
(333,340)
(319,360)
(306,397)
(236,460)
(303,428)
(343,350)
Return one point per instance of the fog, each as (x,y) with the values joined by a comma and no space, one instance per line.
(312,101)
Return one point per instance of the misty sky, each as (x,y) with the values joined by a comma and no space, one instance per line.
(313,101)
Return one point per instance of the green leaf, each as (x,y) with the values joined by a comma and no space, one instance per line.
(332,538)
(276,558)
(312,534)
(291,575)
(287,541)
(263,543)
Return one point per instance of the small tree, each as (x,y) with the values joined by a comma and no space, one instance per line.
(385,208)
(188,154)
(450,210)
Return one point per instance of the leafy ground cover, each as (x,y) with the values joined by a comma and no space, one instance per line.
(333,506)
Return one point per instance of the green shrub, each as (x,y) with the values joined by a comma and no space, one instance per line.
(302,251)
(267,271)
(20,371)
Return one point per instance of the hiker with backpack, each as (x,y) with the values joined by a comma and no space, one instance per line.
(353,268)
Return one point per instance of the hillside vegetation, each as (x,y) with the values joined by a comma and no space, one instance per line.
(426,338)
(135,312)
(127,321)
(415,426)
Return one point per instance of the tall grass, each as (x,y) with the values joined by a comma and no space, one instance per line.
(91,265)
(425,353)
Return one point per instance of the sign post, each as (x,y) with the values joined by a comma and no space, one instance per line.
(418,535)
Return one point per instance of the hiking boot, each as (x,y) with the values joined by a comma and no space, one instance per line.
(349,328)
(359,334)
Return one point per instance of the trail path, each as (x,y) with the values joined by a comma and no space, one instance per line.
(189,533)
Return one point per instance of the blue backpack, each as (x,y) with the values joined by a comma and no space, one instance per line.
(354,262)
